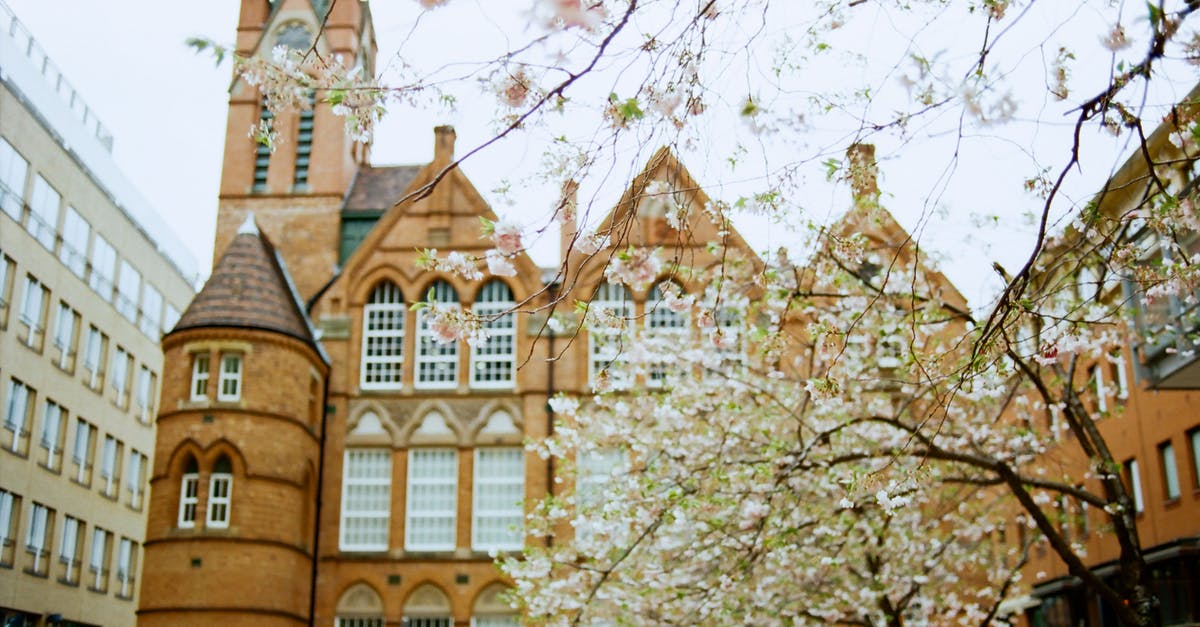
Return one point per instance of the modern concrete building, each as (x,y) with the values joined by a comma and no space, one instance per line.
(89,279)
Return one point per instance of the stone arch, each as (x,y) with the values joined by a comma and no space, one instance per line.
(177,461)
(488,426)
(360,600)
(427,600)
(224,447)
(370,424)
(489,602)
(365,285)
(459,286)
(433,423)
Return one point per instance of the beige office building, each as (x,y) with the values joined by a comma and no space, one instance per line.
(89,279)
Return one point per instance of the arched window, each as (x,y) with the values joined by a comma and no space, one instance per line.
(383,338)
(608,343)
(189,488)
(360,606)
(493,362)
(491,610)
(220,487)
(665,328)
(437,362)
(427,606)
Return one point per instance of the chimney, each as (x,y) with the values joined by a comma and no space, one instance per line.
(862,175)
(568,201)
(443,145)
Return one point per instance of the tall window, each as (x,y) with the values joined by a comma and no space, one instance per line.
(304,140)
(499,493)
(152,304)
(606,345)
(122,363)
(13,169)
(70,550)
(1194,443)
(432,499)
(7,271)
(366,499)
(383,338)
(666,329)
(43,213)
(66,326)
(128,286)
(37,537)
(110,466)
(437,362)
(1133,482)
(10,511)
(82,449)
(136,478)
(16,415)
(189,494)
(220,486)
(1166,456)
(33,312)
(104,264)
(494,362)
(229,386)
(93,357)
(200,376)
(98,560)
(262,154)
(126,557)
(54,420)
(145,394)
(73,253)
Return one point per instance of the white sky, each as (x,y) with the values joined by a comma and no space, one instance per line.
(166,108)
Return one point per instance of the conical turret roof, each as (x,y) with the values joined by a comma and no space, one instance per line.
(250,288)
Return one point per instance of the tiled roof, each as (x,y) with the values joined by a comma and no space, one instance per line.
(378,188)
(249,288)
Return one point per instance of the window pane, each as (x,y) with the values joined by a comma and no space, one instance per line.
(499,493)
(43,213)
(13,169)
(75,240)
(104,262)
(383,338)
(366,499)
(493,362)
(432,499)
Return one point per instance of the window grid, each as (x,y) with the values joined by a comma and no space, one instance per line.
(43,213)
(220,484)
(262,154)
(304,139)
(499,492)
(200,363)
(667,329)
(13,170)
(428,621)
(493,363)
(494,621)
(229,387)
(383,339)
(104,263)
(432,499)
(359,621)
(437,362)
(366,499)
(606,346)
(73,253)
(189,491)
(16,415)
(53,419)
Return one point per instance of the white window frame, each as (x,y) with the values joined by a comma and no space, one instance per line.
(432,355)
(1135,478)
(608,347)
(189,499)
(73,253)
(82,448)
(382,362)
(36,536)
(52,427)
(93,355)
(14,170)
(97,558)
(220,500)
(365,471)
(104,267)
(44,203)
(122,361)
(16,413)
(31,308)
(9,512)
(124,566)
(64,333)
(496,474)
(1194,444)
(230,377)
(68,551)
(494,362)
(201,369)
(445,518)
(109,464)
(1166,454)
(144,391)
(133,478)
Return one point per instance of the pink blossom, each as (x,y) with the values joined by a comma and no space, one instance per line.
(636,266)
(507,237)
(431,4)
(515,89)
(574,13)
(499,265)
(590,243)
(444,329)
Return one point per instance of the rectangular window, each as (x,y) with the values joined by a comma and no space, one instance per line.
(82,450)
(54,429)
(43,213)
(121,366)
(13,169)
(608,345)
(66,336)
(33,313)
(17,409)
(37,538)
(94,353)
(499,494)
(304,141)
(128,286)
(170,318)
(219,486)
(494,361)
(1117,360)
(152,304)
(110,466)
(7,271)
(98,560)
(432,499)
(70,550)
(104,264)
(437,361)
(1194,443)
(10,511)
(189,490)
(383,339)
(229,387)
(366,499)
(136,478)
(1133,482)
(200,377)
(145,394)
(262,153)
(126,561)
(73,253)
(1166,455)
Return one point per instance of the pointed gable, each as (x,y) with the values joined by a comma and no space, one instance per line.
(249,288)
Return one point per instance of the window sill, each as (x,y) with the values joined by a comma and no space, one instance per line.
(65,582)
(97,590)
(31,573)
